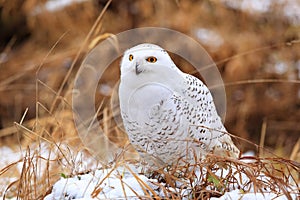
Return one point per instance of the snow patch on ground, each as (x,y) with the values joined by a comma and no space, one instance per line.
(111,184)
(8,156)
(209,37)
(124,182)
(127,182)
(237,194)
(55,5)
(289,9)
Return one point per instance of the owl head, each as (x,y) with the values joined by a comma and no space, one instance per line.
(144,59)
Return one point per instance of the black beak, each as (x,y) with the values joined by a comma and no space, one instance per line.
(137,70)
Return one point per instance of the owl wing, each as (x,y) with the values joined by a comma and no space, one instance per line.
(198,95)
(209,128)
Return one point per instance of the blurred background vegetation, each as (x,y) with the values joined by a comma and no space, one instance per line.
(248,41)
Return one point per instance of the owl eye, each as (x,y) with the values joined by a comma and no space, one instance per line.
(130,57)
(151,59)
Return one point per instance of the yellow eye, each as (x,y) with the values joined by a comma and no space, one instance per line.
(151,59)
(130,57)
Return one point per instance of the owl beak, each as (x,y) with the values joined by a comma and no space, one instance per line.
(137,69)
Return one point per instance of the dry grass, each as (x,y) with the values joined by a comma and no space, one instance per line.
(37,73)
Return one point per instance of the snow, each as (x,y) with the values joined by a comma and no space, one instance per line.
(126,181)
(292,12)
(209,37)
(251,6)
(237,194)
(120,183)
(14,159)
(10,157)
(112,183)
(289,9)
(54,5)
(105,89)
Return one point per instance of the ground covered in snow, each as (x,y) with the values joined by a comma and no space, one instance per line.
(122,182)
(229,180)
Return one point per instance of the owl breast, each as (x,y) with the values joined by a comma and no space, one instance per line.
(158,123)
(145,102)
(154,123)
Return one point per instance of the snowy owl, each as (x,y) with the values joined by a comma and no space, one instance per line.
(168,114)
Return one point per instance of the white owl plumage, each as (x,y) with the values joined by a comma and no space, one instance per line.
(168,115)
